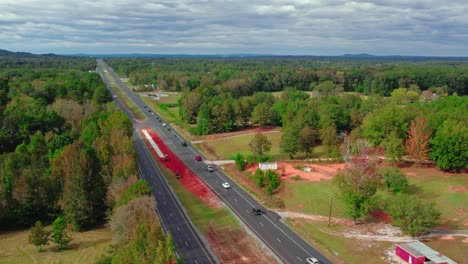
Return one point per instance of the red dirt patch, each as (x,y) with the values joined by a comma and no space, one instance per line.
(458,188)
(382,216)
(319,172)
(190,181)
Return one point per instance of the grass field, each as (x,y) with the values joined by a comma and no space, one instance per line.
(228,147)
(448,191)
(86,247)
(311,197)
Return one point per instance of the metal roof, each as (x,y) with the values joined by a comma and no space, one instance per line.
(418,249)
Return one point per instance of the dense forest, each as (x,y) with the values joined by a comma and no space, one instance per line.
(318,101)
(66,153)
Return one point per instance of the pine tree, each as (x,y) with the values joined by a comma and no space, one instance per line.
(39,236)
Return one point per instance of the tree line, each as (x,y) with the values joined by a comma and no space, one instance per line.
(246,76)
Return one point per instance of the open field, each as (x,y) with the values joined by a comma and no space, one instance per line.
(447,190)
(228,147)
(86,247)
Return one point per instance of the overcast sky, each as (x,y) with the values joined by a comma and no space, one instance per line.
(303,27)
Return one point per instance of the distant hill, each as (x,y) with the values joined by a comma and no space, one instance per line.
(6,53)
(11,54)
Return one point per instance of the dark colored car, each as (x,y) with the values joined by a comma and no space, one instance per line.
(184,144)
(198,158)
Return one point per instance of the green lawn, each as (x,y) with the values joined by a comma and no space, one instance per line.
(86,247)
(228,147)
(311,198)
(447,191)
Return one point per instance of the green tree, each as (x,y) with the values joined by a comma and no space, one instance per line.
(240,161)
(272,180)
(412,215)
(84,190)
(59,233)
(263,115)
(39,236)
(308,138)
(358,183)
(382,121)
(289,143)
(450,146)
(395,180)
(393,146)
(260,145)
(259,178)
(135,190)
(417,144)
(330,139)
(203,120)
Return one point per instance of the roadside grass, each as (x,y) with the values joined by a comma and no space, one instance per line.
(311,198)
(86,247)
(228,147)
(337,248)
(134,109)
(202,215)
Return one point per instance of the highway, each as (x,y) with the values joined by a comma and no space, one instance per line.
(189,243)
(286,245)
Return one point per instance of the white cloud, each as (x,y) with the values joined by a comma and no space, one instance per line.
(321,27)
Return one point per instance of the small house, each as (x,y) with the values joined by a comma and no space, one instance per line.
(419,253)
(268,166)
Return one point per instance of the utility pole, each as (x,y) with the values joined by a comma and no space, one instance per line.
(329,211)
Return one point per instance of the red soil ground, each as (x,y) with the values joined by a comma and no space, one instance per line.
(187,178)
(319,172)
(382,216)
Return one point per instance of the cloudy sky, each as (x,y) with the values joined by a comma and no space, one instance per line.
(302,27)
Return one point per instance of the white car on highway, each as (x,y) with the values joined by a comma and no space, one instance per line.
(163,124)
(312,261)
(226,185)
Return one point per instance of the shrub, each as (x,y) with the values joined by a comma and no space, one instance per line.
(395,180)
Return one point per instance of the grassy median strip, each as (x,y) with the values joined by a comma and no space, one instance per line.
(134,109)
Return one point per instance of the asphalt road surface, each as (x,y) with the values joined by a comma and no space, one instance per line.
(280,239)
(188,242)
